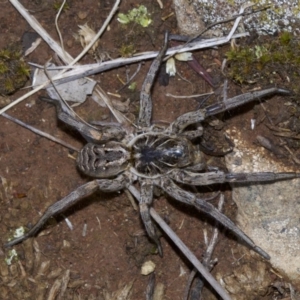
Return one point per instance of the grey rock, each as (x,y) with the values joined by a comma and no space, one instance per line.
(268,213)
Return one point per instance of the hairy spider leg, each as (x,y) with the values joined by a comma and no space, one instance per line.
(203,205)
(105,185)
(89,132)
(201,114)
(145,114)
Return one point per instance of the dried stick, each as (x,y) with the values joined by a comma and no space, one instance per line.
(91,69)
(183,248)
(39,132)
(56,25)
(206,260)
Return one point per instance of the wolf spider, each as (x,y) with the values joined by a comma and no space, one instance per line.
(164,157)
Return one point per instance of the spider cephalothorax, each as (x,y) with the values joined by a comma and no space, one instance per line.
(165,157)
(158,154)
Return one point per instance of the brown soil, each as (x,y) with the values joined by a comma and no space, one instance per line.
(36,172)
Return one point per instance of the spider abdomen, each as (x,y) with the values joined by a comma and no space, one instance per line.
(104,160)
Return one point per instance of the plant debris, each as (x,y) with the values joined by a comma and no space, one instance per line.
(138,15)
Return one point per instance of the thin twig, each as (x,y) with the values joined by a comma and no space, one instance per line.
(190,96)
(39,132)
(131,199)
(57,28)
(292,292)
(237,19)
(183,248)
(206,259)
(130,79)
(240,14)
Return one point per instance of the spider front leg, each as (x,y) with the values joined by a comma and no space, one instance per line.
(242,99)
(144,203)
(145,114)
(189,198)
(89,132)
(201,114)
(83,191)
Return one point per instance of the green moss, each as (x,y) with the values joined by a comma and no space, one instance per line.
(132,86)
(5,54)
(3,67)
(285,38)
(138,15)
(127,50)
(23,69)
(273,60)
(14,71)
(8,86)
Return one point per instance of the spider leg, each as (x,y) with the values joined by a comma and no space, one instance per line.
(85,190)
(208,178)
(90,133)
(193,134)
(199,115)
(145,203)
(198,166)
(242,99)
(181,195)
(145,114)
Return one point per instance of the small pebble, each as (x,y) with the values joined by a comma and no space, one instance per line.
(148,267)
(70,43)
(82,15)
